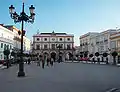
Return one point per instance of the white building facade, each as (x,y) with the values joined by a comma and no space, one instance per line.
(6,41)
(103,41)
(17,39)
(47,43)
(86,42)
(27,45)
(10,39)
(99,42)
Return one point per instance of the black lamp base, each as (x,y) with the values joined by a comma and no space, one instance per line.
(21,74)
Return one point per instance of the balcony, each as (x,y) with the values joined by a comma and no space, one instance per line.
(6,39)
(86,43)
(105,40)
(97,42)
(52,49)
(17,39)
(37,48)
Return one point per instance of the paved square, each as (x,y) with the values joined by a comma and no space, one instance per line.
(63,77)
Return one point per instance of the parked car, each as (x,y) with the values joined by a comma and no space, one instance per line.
(81,59)
(1,61)
(86,59)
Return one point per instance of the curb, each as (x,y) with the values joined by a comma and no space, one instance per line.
(71,62)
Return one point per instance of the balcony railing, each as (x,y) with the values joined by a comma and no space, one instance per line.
(6,39)
(53,49)
(80,44)
(105,40)
(97,42)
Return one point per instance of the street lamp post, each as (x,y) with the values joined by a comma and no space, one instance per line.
(23,17)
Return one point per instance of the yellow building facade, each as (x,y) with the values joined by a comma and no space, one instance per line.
(115,42)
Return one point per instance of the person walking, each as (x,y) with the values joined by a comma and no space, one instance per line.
(38,62)
(28,60)
(7,63)
(43,62)
(51,61)
(48,60)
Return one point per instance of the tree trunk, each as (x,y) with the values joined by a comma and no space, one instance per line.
(114,60)
(98,60)
(7,61)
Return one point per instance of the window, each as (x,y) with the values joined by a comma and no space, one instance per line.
(1,56)
(60,39)
(45,39)
(2,34)
(53,39)
(45,46)
(53,46)
(1,45)
(68,46)
(10,47)
(37,47)
(38,39)
(68,39)
(61,46)
(7,46)
(4,46)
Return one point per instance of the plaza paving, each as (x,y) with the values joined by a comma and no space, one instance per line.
(63,77)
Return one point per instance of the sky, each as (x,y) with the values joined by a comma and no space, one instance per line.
(71,16)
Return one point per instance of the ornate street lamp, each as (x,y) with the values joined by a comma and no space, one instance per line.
(23,17)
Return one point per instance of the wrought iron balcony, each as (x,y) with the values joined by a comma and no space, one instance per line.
(52,49)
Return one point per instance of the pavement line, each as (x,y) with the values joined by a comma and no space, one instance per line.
(112,90)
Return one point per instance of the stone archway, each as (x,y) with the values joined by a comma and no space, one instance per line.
(60,57)
(46,55)
(68,56)
(53,55)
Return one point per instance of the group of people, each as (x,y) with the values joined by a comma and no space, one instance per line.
(45,60)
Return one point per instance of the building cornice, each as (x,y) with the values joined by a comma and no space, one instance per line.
(52,42)
(53,36)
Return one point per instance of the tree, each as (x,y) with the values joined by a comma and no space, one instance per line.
(114,54)
(13,53)
(6,52)
(97,54)
(105,55)
(91,55)
(18,54)
(76,55)
(86,54)
(81,55)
